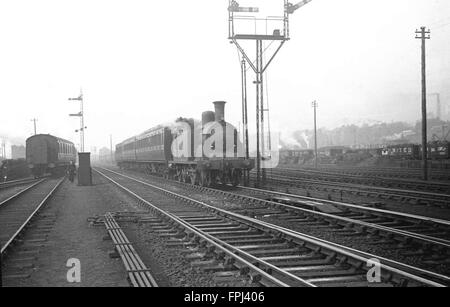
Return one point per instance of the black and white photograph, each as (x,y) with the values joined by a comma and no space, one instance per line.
(225,148)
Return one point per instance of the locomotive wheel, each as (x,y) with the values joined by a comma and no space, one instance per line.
(202,180)
(236,178)
(205,179)
(187,178)
(184,177)
(208,180)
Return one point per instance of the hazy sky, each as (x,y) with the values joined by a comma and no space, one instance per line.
(142,63)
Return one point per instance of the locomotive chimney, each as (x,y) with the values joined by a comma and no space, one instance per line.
(220,110)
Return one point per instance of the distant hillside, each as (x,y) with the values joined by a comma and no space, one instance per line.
(367,135)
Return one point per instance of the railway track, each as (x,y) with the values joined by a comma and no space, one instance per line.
(394,223)
(14,183)
(416,185)
(290,257)
(395,195)
(378,172)
(412,235)
(18,211)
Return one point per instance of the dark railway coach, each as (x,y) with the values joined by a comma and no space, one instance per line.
(436,151)
(439,150)
(49,154)
(402,151)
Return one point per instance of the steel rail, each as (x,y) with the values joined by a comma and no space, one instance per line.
(390,262)
(31,216)
(352,206)
(211,240)
(425,196)
(333,174)
(4,202)
(380,172)
(321,243)
(13,183)
(412,235)
(364,187)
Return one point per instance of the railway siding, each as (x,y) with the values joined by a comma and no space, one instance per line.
(286,258)
(368,228)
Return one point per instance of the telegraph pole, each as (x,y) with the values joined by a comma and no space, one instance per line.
(423,34)
(315,105)
(245,117)
(34,120)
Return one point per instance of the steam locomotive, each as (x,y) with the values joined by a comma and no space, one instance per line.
(187,151)
(49,154)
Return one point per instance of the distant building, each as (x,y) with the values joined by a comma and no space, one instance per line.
(17,152)
(3,150)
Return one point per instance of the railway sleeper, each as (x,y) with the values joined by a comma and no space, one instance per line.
(275,252)
(419,252)
(254,247)
(243,233)
(339,280)
(264,240)
(224,229)
(436,260)
(312,261)
(356,231)
(297,260)
(232,237)
(222,224)
(294,216)
(296,220)
(336,272)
